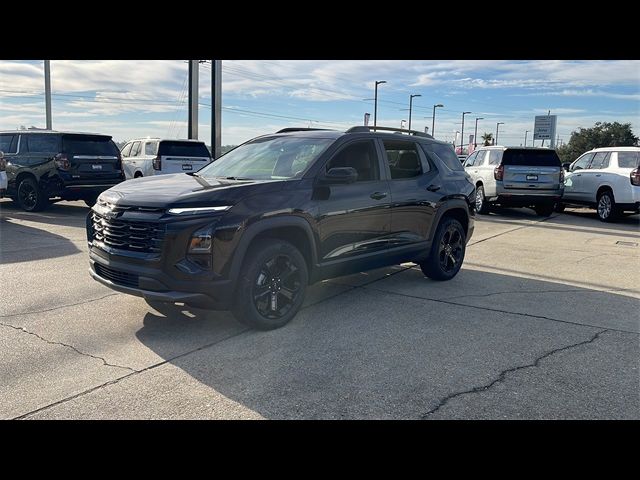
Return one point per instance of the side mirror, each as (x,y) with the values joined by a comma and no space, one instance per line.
(566,166)
(340,175)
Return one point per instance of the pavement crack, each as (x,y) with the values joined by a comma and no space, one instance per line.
(60,306)
(62,344)
(133,372)
(497,310)
(581,290)
(503,374)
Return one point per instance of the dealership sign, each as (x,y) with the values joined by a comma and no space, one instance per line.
(545,127)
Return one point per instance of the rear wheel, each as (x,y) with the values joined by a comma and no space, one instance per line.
(607,209)
(544,210)
(447,251)
(271,286)
(481,202)
(30,196)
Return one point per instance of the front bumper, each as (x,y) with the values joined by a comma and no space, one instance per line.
(153,284)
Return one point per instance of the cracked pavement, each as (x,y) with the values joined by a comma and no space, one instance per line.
(541,323)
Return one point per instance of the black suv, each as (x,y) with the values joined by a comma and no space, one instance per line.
(44,164)
(251,230)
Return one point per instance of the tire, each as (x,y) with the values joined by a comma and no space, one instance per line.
(30,196)
(91,201)
(544,210)
(606,207)
(442,263)
(482,206)
(559,207)
(271,268)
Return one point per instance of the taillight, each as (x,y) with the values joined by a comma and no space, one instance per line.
(157,163)
(62,162)
(562,175)
(634,176)
(498,172)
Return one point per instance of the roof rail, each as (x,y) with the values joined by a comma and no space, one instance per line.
(361,128)
(296,129)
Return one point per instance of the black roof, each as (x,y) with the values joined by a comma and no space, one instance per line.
(51,132)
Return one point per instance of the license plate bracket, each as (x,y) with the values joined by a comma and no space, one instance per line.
(531,177)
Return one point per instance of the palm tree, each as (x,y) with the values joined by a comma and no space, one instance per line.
(488,138)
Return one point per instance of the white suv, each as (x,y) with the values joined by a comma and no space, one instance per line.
(607,179)
(143,157)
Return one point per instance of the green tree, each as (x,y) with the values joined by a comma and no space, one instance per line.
(602,134)
(488,138)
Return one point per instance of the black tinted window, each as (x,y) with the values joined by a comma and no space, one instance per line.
(41,143)
(89,145)
(183,149)
(537,158)
(361,156)
(628,159)
(404,159)
(5,143)
(446,155)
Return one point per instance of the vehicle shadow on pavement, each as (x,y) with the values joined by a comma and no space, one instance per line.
(63,214)
(398,346)
(42,243)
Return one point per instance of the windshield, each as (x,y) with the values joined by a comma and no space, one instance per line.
(268,158)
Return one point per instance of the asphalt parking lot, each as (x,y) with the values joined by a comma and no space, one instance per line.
(541,323)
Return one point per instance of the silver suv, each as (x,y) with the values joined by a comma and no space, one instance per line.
(516,177)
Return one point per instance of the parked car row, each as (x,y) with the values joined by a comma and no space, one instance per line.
(607,179)
(40,166)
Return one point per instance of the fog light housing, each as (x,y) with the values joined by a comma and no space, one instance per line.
(200,248)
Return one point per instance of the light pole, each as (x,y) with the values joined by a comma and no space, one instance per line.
(462,133)
(475,133)
(410,105)
(525,137)
(375,104)
(433,119)
(497,127)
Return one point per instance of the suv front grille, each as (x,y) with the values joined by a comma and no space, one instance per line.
(142,237)
(116,276)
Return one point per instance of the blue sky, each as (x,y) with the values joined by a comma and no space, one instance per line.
(130,98)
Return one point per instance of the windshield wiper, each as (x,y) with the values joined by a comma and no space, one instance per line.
(236,178)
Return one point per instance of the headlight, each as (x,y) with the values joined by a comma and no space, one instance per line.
(200,241)
(197,210)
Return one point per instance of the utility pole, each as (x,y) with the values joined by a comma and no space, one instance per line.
(433,119)
(216,108)
(475,133)
(47,92)
(375,104)
(497,128)
(193,100)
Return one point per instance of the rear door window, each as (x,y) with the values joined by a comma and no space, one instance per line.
(470,161)
(135,149)
(404,159)
(628,159)
(446,155)
(527,157)
(183,149)
(89,145)
(600,160)
(127,149)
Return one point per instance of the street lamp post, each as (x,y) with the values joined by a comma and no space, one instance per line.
(497,127)
(462,133)
(410,105)
(375,104)
(525,137)
(475,133)
(433,119)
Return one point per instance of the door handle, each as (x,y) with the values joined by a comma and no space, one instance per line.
(433,188)
(597,174)
(378,195)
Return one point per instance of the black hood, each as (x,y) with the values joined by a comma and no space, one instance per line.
(181,189)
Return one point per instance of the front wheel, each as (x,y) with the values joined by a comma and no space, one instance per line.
(447,251)
(271,286)
(607,209)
